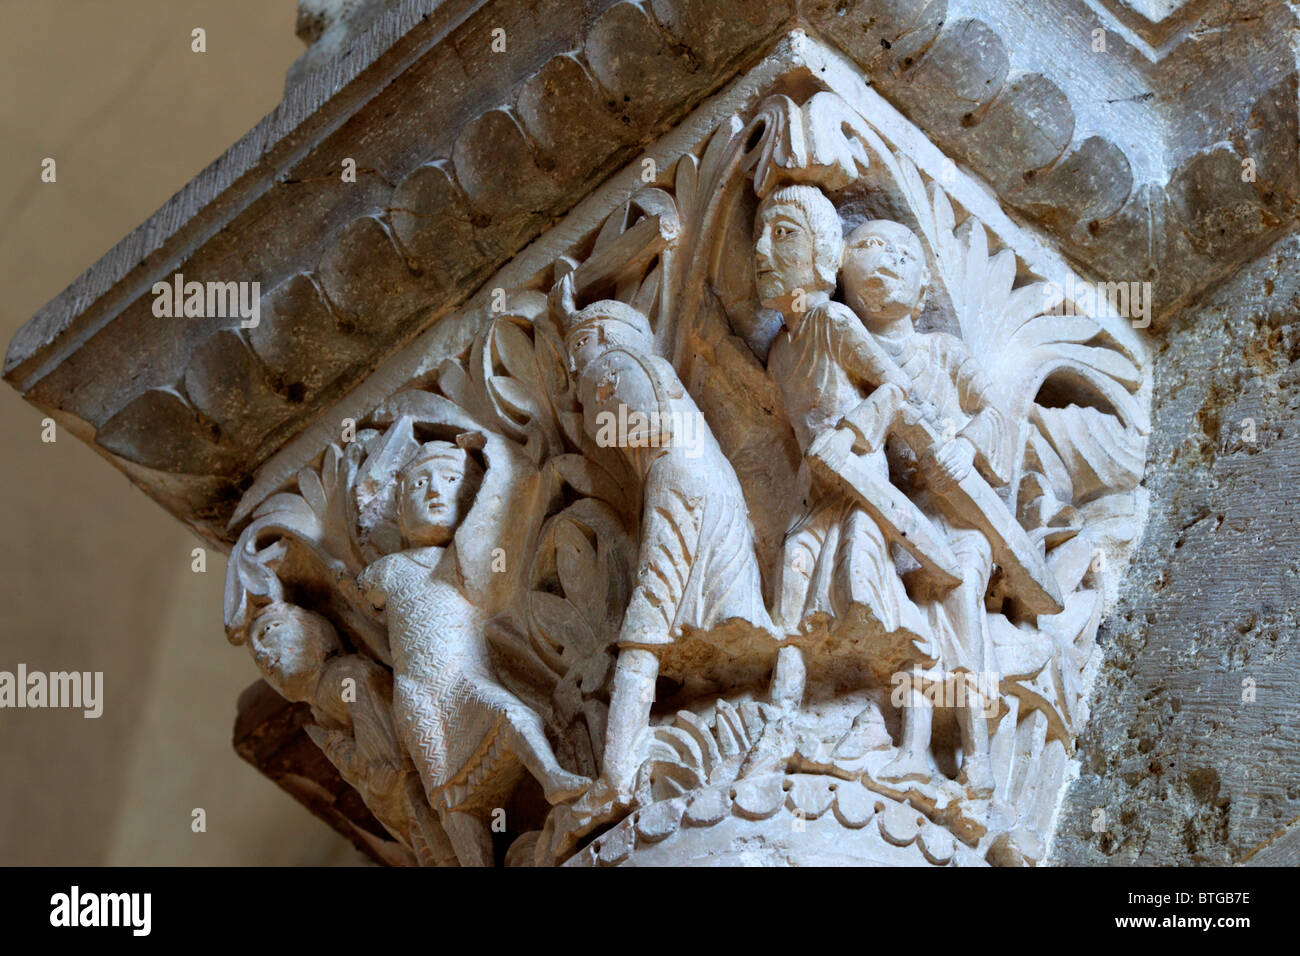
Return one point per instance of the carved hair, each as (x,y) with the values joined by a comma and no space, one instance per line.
(607,310)
(823,223)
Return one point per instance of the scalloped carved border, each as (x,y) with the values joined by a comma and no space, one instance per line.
(395,260)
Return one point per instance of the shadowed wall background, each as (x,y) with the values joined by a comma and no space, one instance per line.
(93,575)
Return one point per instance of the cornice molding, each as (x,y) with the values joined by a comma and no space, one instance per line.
(465,159)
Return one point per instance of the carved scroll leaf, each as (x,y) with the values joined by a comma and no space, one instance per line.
(1016,332)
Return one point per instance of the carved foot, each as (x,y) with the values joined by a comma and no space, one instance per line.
(977,776)
(561,786)
(907,766)
(773,748)
(868,733)
(569,822)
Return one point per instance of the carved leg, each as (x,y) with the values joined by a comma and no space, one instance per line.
(788,678)
(976,770)
(428,838)
(965,607)
(913,761)
(526,738)
(629,715)
(470,838)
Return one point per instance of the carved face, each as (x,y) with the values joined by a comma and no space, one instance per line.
(290,647)
(586,345)
(431,495)
(591,341)
(884,272)
(784,256)
(798,241)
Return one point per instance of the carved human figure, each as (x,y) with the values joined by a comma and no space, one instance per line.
(836,564)
(943,385)
(450,709)
(697,571)
(351,697)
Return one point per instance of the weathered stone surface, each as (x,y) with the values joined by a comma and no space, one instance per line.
(629,651)
(269,735)
(1014,91)
(1187,768)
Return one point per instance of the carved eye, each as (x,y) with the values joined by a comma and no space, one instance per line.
(783,232)
(453,478)
(421,482)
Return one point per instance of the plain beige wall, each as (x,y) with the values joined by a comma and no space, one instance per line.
(93,575)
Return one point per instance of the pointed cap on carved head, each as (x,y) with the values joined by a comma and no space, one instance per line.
(434,492)
(607,310)
(600,326)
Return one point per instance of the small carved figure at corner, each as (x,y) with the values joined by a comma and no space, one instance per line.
(351,697)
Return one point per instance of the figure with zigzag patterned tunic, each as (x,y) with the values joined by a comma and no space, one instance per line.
(451,711)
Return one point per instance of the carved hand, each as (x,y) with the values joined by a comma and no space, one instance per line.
(872,418)
(562,299)
(832,447)
(955,459)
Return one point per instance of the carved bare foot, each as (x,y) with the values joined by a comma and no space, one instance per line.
(977,776)
(866,734)
(907,766)
(601,799)
(773,748)
(561,785)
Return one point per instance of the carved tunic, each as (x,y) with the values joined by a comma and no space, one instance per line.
(697,567)
(836,557)
(946,380)
(812,366)
(446,702)
(364,743)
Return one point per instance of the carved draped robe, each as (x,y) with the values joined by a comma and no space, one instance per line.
(836,559)
(697,568)
(947,381)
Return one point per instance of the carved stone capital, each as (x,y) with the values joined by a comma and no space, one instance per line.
(700,425)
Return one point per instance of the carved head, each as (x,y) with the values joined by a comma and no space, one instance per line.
(884,275)
(602,326)
(798,244)
(434,492)
(290,646)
